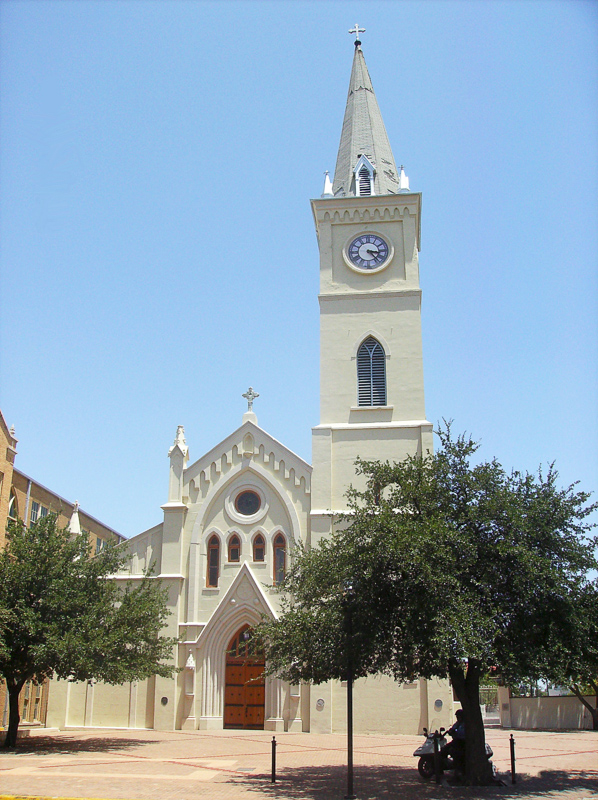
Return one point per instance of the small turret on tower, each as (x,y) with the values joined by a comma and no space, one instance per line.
(75,522)
(178,455)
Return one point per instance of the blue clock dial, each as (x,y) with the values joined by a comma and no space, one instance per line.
(368,251)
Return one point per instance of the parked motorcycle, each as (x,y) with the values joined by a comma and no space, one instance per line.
(425,765)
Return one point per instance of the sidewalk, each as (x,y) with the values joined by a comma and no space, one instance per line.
(235,765)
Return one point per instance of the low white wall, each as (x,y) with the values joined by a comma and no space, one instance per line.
(549,713)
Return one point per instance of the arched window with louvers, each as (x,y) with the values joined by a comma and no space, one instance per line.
(371,373)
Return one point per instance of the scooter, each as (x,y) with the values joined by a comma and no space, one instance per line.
(425,765)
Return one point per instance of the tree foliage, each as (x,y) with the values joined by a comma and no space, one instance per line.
(60,614)
(457,567)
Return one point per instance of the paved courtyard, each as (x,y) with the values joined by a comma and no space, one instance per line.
(235,765)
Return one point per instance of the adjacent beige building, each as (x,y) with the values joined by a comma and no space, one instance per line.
(233,517)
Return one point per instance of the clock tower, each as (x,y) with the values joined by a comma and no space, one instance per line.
(371,371)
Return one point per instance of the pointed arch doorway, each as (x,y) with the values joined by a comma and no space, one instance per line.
(244,692)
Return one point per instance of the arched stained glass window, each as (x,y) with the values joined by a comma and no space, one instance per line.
(213,561)
(234,548)
(259,548)
(371,373)
(280,558)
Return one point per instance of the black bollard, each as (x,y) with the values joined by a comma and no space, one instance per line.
(513,776)
(273,780)
(437,770)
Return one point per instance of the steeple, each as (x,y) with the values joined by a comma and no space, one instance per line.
(364,151)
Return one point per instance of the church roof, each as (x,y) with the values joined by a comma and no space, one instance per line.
(364,134)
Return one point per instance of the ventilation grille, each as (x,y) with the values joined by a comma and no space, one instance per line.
(371,374)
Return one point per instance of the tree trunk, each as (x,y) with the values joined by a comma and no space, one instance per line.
(466,681)
(14,690)
(593,711)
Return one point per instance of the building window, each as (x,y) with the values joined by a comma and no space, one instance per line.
(371,373)
(43,512)
(259,548)
(248,503)
(13,509)
(34,512)
(365,182)
(280,558)
(213,561)
(234,548)
(100,543)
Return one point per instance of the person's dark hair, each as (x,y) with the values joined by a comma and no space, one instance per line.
(459,713)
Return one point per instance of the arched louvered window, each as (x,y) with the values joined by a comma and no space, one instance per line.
(371,373)
(280,558)
(234,548)
(213,561)
(365,182)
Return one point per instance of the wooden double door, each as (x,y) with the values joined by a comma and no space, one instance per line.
(244,692)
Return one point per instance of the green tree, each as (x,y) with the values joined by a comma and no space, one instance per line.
(456,567)
(579,668)
(60,614)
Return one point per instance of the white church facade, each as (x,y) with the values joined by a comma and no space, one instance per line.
(232,517)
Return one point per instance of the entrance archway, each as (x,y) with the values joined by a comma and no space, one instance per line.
(244,693)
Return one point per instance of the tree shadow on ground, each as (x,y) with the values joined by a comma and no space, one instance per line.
(387,782)
(57,745)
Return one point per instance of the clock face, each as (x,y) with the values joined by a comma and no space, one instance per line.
(368,251)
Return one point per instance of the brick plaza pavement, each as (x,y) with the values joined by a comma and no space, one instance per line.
(235,765)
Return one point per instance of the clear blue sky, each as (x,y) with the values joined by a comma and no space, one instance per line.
(159,255)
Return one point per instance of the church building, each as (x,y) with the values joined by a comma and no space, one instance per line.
(233,516)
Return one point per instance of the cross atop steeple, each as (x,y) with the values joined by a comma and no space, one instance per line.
(250,396)
(357,30)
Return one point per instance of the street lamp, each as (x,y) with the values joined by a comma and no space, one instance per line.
(348,600)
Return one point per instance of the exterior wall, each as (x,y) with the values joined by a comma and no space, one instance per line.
(8,451)
(383,706)
(98,705)
(354,305)
(547,713)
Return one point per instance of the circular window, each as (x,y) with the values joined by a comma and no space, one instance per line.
(248,503)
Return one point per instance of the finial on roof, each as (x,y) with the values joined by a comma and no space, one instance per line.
(357,30)
(179,442)
(249,415)
(327,186)
(12,431)
(403,181)
(74,525)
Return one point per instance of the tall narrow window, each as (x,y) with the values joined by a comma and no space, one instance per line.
(371,373)
(234,548)
(280,558)
(213,560)
(34,512)
(365,182)
(259,548)
(13,510)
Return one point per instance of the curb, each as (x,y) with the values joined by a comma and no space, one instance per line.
(46,797)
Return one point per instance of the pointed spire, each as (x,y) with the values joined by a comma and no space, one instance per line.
(180,442)
(75,522)
(403,181)
(363,134)
(327,186)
